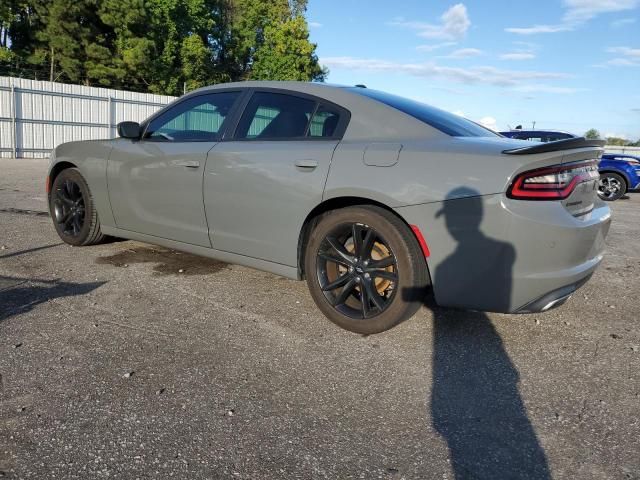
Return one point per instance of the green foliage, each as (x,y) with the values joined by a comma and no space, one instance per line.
(159,46)
(287,54)
(621,142)
(592,134)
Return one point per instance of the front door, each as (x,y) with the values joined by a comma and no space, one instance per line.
(155,183)
(260,185)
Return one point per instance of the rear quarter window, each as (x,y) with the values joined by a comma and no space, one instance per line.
(446,122)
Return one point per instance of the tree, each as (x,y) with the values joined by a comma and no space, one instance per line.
(159,46)
(592,134)
(621,142)
(270,41)
(287,54)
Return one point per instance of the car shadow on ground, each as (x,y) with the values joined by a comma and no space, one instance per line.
(21,295)
(475,403)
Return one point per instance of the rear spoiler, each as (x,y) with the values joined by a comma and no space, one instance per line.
(567,144)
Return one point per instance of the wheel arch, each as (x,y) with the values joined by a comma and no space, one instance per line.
(55,171)
(335,204)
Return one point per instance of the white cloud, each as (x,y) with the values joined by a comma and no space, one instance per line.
(583,10)
(621,22)
(465,53)
(577,12)
(473,75)
(626,51)
(489,122)
(626,57)
(518,56)
(538,29)
(453,25)
(315,25)
(436,46)
(543,88)
(622,62)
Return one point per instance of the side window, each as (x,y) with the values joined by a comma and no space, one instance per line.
(275,115)
(197,119)
(324,122)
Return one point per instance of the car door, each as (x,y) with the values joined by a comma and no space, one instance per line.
(155,183)
(261,183)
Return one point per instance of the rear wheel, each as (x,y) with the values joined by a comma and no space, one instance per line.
(73,211)
(611,186)
(365,269)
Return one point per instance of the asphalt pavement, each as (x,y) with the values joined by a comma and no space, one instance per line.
(128,360)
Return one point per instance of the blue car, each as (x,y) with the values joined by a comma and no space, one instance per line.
(618,174)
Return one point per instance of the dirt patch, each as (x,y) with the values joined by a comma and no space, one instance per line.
(166,262)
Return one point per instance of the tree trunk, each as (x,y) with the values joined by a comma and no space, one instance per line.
(52,70)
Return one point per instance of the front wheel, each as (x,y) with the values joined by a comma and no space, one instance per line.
(365,269)
(73,211)
(611,186)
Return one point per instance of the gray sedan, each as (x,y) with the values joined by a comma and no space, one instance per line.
(370,197)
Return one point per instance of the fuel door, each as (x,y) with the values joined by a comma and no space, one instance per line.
(382,154)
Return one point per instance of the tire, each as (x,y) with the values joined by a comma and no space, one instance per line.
(73,211)
(611,186)
(392,293)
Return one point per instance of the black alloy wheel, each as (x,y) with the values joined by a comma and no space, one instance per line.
(72,209)
(69,208)
(357,271)
(365,269)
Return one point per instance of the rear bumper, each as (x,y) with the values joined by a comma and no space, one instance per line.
(523,255)
(553,299)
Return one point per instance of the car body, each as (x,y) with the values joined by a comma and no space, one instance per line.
(538,135)
(619,173)
(249,173)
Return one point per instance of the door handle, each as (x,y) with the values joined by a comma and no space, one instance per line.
(188,163)
(306,164)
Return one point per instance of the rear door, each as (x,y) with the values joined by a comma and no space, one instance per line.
(155,183)
(261,183)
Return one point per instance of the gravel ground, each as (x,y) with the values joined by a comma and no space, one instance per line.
(114,363)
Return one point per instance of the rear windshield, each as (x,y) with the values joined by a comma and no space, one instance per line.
(446,122)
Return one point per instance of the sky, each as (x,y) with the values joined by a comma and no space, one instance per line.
(564,64)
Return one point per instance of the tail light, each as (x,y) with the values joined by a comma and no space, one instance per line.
(552,183)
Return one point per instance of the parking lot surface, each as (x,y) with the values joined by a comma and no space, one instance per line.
(132,361)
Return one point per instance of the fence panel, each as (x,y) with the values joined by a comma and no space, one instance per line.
(37,116)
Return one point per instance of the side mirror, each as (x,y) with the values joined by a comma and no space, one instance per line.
(129,130)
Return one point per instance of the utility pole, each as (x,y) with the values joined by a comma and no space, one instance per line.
(534,125)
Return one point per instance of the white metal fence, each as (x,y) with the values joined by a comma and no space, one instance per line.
(624,150)
(37,116)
